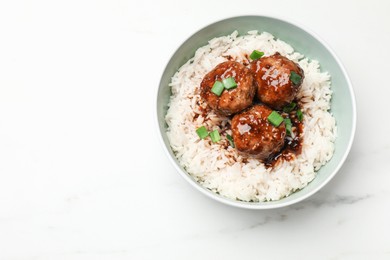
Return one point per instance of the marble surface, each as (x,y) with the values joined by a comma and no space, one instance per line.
(83,174)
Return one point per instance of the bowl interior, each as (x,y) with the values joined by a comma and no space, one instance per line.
(342,104)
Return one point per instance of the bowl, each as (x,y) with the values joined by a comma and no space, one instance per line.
(343,105)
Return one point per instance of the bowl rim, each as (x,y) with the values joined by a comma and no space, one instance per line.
(261,205)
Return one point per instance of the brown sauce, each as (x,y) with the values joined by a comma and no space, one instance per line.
(228,57)
(230,102)
(292,146)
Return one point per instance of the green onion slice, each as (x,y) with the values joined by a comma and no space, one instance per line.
(217,88)
(288,123)
(275,118)
(295,78)
(229,83)
(215,137)
(231,141)
(202,132)
(256,55)
(299,115)
(290,107)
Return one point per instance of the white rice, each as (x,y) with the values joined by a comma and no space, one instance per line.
(222,169)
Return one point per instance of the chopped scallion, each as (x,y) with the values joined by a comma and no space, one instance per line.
(290,107)
(229,83)
(256,55)
(217,88)
(231,141)
(275,118)
(299,115)
(202,132)
(215,137)
(295,78)
(288,123)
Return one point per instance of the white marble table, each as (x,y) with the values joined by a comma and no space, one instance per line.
(82,172)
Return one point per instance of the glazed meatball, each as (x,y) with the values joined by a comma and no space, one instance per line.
(233,100)
(275,87)
(254,135)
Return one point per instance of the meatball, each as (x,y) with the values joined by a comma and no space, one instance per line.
(233,100)
(275,88)
(254,135)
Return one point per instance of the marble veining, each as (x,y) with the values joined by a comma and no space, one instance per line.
(331,201)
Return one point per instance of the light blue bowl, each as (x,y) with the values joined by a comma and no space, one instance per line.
(343,104)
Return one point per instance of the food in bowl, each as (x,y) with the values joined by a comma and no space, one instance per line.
(255,136)
(228,102)
(211,126)
(278,80)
